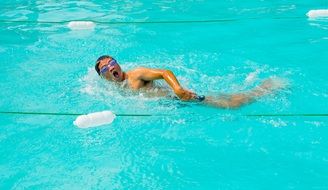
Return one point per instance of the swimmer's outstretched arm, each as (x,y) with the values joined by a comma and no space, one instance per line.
(229,101)
(237,100)
(148,74)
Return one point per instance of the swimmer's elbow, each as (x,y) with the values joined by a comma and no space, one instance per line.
(167,73)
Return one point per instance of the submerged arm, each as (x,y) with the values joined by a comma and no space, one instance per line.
(229,101)
(236,100)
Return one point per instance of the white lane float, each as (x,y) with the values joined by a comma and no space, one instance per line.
(94,119)
(81,25)
(317,13)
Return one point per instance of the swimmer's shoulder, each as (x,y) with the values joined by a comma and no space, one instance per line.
(136,71)
(139,72)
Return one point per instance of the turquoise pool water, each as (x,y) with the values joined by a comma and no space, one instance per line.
(47,67)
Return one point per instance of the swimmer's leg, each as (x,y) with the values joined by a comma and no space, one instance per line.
(237,100)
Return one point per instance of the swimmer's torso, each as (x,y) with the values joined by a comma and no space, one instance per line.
(135,83)
(138,84)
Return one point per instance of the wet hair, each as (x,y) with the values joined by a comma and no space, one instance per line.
(98,62)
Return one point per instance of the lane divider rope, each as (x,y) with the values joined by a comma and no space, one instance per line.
(68,114)
(150,22)
(159,115)
(289,115)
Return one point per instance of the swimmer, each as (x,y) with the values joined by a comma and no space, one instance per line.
(142,79)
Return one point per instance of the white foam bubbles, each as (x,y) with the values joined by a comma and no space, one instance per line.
(279,83)
(81,25)
(251,77)
(275,122)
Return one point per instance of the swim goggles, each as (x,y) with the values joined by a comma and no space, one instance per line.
(106,67)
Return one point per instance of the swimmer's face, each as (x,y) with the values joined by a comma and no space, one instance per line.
(110,70)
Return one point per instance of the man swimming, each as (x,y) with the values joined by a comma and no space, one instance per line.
(142,78)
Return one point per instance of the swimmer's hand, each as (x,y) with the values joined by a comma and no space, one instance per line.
(184,94)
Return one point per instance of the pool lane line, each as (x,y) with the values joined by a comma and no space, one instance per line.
(289,115)
(150,22)
(71,114)
(160,115)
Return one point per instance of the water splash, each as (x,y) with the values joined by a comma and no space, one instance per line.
(230,79)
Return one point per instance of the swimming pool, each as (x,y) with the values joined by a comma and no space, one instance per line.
(212,47)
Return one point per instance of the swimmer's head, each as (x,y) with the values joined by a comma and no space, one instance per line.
(108,68)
